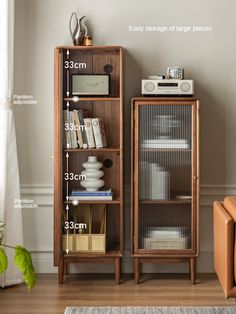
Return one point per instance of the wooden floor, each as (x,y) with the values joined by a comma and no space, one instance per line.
(101,290)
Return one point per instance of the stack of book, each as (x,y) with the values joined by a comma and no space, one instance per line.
(155,181)
(83,195)
(82,131)
(173,238)
(166,143)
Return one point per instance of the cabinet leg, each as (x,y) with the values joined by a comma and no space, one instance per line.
(66,269)
(61,271)
(117,269)
(192,265)
(137,269)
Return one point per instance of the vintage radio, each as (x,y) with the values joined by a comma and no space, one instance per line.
(168,87)
(91,84)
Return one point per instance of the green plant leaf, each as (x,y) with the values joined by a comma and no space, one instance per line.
(3,261)
(24,263)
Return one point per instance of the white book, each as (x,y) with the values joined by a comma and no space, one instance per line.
(89,132)
(74,142)
(81,123)
(78,126)
(99,132)
(166,141)
(155,145)
(172,244)
(67,129)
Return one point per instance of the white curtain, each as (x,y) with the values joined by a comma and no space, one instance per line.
(9,173)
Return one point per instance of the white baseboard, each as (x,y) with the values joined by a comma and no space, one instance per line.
(43,253)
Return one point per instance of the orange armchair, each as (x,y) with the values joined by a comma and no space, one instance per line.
(225,244)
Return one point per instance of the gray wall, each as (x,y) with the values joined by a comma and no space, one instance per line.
(208,58)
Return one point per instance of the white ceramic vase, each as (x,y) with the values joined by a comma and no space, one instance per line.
(92,182)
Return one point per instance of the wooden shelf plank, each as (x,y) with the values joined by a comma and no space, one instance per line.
(108,254)
(92,48)
(166,150)
(114,201)
(174,202)
(97,150)
(92,99)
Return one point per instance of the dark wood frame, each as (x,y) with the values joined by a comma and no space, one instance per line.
(61,259)
(163,256)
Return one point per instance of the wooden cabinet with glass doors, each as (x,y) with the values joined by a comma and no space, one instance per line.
(165,181)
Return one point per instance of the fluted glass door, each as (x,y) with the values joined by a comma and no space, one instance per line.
(165,211)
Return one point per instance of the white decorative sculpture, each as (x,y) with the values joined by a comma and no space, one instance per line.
(92,182)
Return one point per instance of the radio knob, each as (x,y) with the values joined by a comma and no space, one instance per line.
(185,87)
(149,87)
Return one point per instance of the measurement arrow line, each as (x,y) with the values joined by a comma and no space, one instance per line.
(67,161)
(68,53)
(67,242)
(67,76)
(67,191)
(68,120)
(67,212)
(67,169)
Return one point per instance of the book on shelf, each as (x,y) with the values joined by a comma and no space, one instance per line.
(168,232)
(155,183)
(78,128)
(91,198)
(166,238)
(166,143)
(99,132)
(81,116)
(166,244)
(89,132)
(67,137)
(73,135)
(81,131)
(78,194)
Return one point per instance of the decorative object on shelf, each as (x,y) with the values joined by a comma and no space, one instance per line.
(78,29)
(91,239)
(175,73)
(164,125)
(91,84)
(88,41)
(92,182)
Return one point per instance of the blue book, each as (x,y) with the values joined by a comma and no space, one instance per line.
(87,193)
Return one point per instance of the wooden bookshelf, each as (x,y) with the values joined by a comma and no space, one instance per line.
(110,109)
